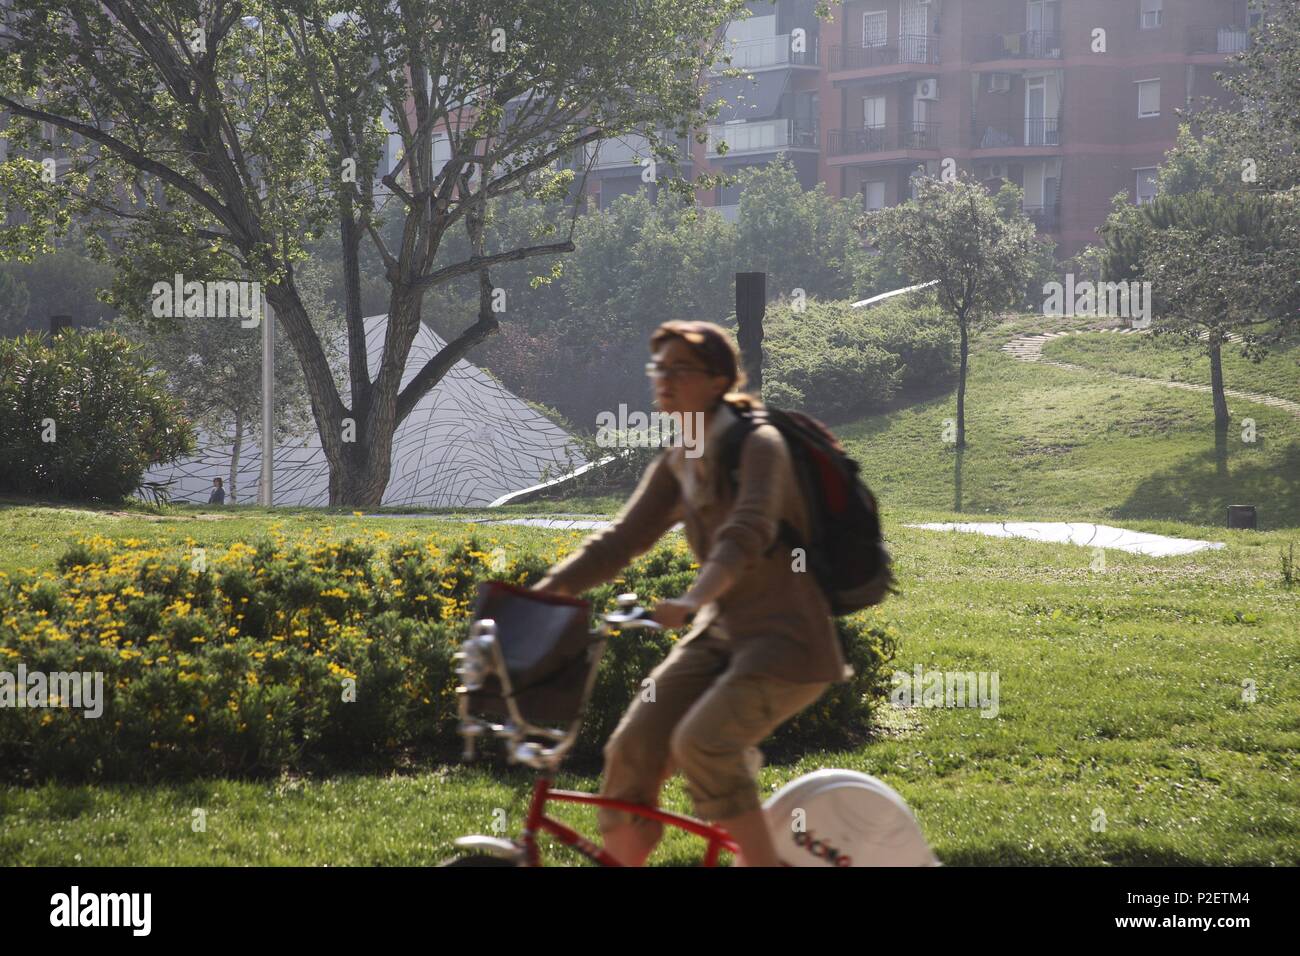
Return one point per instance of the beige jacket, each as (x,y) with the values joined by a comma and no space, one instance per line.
(777,618)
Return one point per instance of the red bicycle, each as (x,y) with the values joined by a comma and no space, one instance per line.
(531,662)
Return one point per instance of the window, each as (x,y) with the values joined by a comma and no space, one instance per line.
(873,196)
(873,112)
(1146,185)
(1151,13)
(874,31)
(1148,97)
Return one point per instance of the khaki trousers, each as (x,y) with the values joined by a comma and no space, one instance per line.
(705,720)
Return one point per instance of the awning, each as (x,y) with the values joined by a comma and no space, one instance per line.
(749,99)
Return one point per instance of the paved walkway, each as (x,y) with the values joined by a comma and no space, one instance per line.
(1029,348)
(1082,533)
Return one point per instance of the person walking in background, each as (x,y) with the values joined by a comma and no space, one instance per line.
(763,646)
(218,496)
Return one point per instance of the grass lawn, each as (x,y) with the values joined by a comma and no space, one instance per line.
(1120,692)
(1145,355)
(1124,686)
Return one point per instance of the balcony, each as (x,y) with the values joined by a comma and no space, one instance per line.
(919,49)
(627,150)
(1218,40)
(882,139)
(762,136)
(1030,45)
(764,53)
(1031,131)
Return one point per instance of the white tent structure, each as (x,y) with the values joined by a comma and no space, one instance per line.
(469,441)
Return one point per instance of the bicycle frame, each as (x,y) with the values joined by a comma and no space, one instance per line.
(538,821)
(481,655)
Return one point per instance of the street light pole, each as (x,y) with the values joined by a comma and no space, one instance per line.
(266,487)
(265,494)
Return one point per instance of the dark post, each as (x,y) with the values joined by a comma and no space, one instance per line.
(58,323)
(751,306)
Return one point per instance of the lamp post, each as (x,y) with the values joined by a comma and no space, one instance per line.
(266,487)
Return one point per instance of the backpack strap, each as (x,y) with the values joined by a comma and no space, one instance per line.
(729,469)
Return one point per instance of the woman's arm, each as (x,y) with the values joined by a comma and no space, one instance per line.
(654,507)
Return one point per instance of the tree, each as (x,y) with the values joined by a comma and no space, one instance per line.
(954,235)
(1209,257)
(802,239)
(218,376)
(1221,242)
(248,142)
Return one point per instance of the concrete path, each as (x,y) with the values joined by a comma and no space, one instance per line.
(1081,533)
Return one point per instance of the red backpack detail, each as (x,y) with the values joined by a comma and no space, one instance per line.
(847,553)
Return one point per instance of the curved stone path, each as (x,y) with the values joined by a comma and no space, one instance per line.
(1029,348)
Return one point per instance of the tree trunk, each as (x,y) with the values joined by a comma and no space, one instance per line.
(961,384)
(234,456)
(1216,384)
(1220,405)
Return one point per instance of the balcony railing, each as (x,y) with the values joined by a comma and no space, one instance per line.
(1225,40)
(1031,131)
(764,52)
(627,150)
(1044,217)
(1030,45)
(918,48)
(881,139)
(763,136)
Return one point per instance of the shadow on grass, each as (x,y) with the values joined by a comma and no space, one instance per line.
(1194,491)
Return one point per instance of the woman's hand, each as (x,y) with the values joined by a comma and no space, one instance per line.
(673,613)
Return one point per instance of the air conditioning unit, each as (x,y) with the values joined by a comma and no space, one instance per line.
(999,83)
(927,89)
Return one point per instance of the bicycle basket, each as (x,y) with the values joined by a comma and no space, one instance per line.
(546,646)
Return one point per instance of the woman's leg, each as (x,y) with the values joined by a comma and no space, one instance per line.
(711,743)
(637,756)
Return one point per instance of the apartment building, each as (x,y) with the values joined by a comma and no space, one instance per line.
(774,109)
(1072,100)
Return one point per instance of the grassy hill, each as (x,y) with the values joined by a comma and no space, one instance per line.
(1051,443)
(1145,355)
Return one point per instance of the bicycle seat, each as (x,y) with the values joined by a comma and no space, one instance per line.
(545,643)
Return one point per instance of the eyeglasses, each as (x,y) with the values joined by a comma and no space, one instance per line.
(655,370)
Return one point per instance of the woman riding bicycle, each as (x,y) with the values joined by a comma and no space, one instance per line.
(763,644)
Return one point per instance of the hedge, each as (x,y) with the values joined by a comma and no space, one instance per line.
(238,660)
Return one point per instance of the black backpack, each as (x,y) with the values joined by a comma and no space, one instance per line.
(847,552)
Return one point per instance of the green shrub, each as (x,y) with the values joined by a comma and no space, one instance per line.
(81,417)
(310,656)
(839,363)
